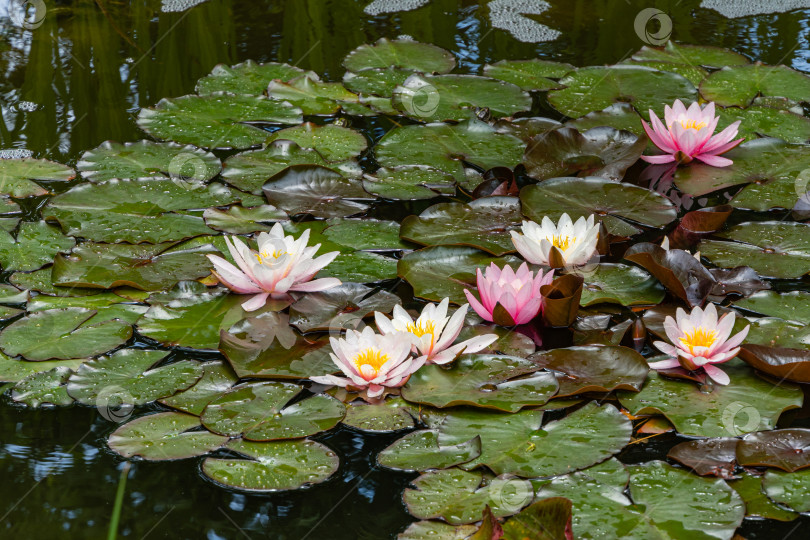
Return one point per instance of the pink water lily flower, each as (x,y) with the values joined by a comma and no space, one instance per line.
(372,362)
(689,134)
(517,293)
(699,340)
(282,264)
(434,332)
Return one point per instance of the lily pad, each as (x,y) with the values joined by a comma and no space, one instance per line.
(596,87)
(601,151)
(792,306)
(442,146)
(745,405)
(145,266)
(615,202)
(360,267)
(421,450)
(313,96)
(245,78)
(334,143)
(530,75)
(35,245)
(620,116)
(436,530)
(739,85)
(377,82)
(789,489)
(444,272)
(338,307)
(483,223)
(779,348)
(15,370)
(248,358)
(409,183)
(315,190)
(217,120)
(676,269)
(548,519)
(509,342)
(261,412)
(694,74)
(757,504)
(772,248)
(594,369)
(148,159)
(455,97)
(400,53)
(217,379)
(621,284)
(63,334)
(766,122)
(272,466)
(239,220)
(386,417)
(365,234)
(163,437)
(715,457)
(47,387)
(107,305)
(702,55)
(17,176)
(786,449)
(505,383)
(40,281)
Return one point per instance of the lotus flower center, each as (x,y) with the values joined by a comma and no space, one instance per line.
(422,328)
(369,362)
(692,124)
(563,242)
(277,253)
(699,337)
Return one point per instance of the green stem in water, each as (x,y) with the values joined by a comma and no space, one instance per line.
(119,502)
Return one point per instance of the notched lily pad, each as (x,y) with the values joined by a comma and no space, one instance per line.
(217,379)
(422,450)
(786,449)
(386,417)
(533,75)
(315,190)
(17,176)
(35,245)
(621,284)
(44,388)
(338,307)
(708,457)
(246,78)
(400,53)
(163,437)
(739,85)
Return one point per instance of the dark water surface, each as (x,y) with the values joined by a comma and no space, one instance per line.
(88,69)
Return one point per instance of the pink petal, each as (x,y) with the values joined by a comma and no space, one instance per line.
(478,307)
(666,364)
(714,161)
(255,302)
(316,285)
(718,375)
(658,160)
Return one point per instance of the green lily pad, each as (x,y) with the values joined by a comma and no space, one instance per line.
(47,387)
(618,116)
(63,334)
(594,368)
(336,308)
(509,342)
(400,53)
(315,190)
(792,306)
(260,412)
(455,97)
(542,520)
(239,220)
(107,305)
(702,55)
(532,75)
(163,437)
(334,143)
(621,284)
(386,417)
(136,211)
(757,504)
(217,379)
(245,78)
(249,170)
(444,272)
(483,223)
(129,376)
(272,466)
(460,497)
(436,530)
(14,370)
(312,96)
(506,383)
(442,146)
(772,248)
(517,444)
(746,404)
(146,266)
(248,358)
(360,267)
(789,489)
(147,159)
(778,348)
(615,202)
(766,122)
(40,281)
(596,87)
(409,183)
(421,450)
(693,74)
(217,120)
(35,245)
(376,82)
(17,176)
(739,85)
(365,234)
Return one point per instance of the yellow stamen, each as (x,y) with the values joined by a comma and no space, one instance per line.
(369,362)
(265,255)
(693,124)
(700,337)
(562,242)
(422,328)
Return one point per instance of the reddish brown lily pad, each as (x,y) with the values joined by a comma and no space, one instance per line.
(786,449)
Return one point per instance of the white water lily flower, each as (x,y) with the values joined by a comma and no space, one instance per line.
(282,264)
(371,361)
(699,340)
(434,332)
(575,242)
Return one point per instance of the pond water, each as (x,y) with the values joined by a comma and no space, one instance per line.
(81,77)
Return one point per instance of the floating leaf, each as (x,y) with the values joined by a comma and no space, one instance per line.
(596,87)
(335,143)
(436,530)
(339,307)
(785,449)
(792,306)
(305,358)
(548,519)
(312,96)
(245,78)
(421,450)
(528,74)
(315,190)
(17,176)
(694,74)
(509,342)
(163,437)
(676,269)
(148,159)
(620,116)
(47,387)
(621,284)
(505,383)
(217,120)
(739,85)
(239,220)
(400,53)
(15,370)
(789,489)
(594,369)
(591,195)
(107,306)
(360,267)
(482,223)
(388,416)
(35,245)
(261,412)
(378,82)
(757,504)
(272,466)
(766,122)
(365,234)
(217,379)
(715,457)
(702,55)
(747,404)
(409,183)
